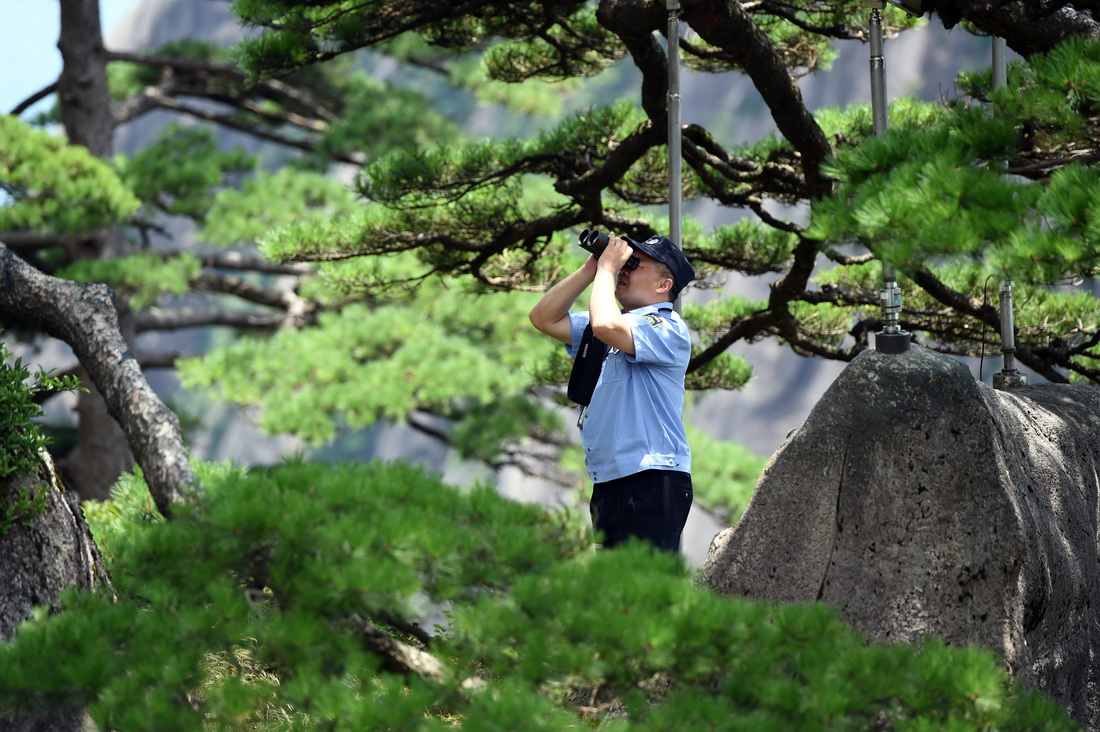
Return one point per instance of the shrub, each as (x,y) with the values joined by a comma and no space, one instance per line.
(260,609)
(21,440)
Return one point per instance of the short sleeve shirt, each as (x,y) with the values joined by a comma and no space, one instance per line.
(635,420)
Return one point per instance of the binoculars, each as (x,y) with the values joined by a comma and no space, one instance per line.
(594,241)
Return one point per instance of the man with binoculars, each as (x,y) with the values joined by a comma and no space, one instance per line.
(635,359)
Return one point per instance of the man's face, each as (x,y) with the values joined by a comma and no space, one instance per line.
(643,285)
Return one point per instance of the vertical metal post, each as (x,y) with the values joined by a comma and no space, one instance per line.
(878,69)
(675,140)
(1008,376)
(891,339)
(675,176)
(1000,77)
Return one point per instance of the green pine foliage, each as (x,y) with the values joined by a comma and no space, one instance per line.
(51,185)
(180,172)
(22,440)
(444,174)
(242,615)
(126,79)
(709,318)
(723,475)
(266,201)
(1055,95)
(748,247)
(143,278)
(592,50)
(944,191)
(725,371)
(934,188)
(248,613)
(379,118)
(444,352)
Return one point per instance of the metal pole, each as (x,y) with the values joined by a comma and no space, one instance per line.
(1000,77)
(891,339)
(675,141)
(675,176)
(1009,376)
(878,70)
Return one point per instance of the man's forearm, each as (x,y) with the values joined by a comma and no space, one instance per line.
(551,313)
(602,307)
(608,323)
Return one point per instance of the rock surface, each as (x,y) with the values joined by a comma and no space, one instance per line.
(919,501)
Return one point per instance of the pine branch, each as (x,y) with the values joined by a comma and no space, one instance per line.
(158,97)
(246,261)
(84,316)
(146,359)
(396,656)
(726,24)
(540,460)
(197,76)
(796,16)
(286,300)
(845,259)
(176,318)
(23,242)
(742,328)
(1040,359)
(33,99)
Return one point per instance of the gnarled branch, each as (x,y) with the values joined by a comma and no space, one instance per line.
(84,316)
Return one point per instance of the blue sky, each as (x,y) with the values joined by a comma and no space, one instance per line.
(29,59)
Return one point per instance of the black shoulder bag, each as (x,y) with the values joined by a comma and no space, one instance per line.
(586,368)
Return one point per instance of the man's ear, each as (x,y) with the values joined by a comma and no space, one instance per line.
(666,285)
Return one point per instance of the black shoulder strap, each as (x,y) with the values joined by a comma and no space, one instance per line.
(586,367)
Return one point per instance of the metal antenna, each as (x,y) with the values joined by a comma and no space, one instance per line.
(1008,376)
(891,339)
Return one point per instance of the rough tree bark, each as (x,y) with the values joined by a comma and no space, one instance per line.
(40,556)
(1028,26)
(82,87)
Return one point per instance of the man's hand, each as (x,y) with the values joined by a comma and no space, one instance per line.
(615,255)
(608,323)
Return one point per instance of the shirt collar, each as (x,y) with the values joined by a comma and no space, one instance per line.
(655,307)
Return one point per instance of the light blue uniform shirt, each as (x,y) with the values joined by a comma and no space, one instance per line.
(635,421)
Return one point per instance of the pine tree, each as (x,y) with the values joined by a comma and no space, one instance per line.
(287,597)
(442,227)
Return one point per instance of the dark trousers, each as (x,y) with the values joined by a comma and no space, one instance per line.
(652,505)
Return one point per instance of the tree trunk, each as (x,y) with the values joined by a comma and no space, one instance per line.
(45,547)
(101,453)
(82,87)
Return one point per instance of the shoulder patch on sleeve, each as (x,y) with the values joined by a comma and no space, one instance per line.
(654,320)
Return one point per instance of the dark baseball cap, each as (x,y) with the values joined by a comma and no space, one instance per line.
(664,251)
